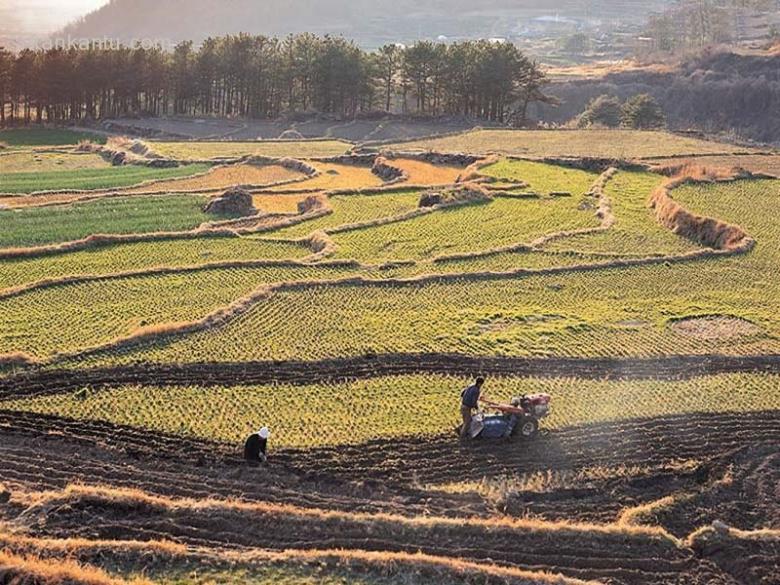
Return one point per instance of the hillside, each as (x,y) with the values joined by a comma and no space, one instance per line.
(369,23)
(718,92)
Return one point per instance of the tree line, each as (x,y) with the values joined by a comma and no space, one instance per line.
(261,77)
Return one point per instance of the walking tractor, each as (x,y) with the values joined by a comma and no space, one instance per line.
(518,418)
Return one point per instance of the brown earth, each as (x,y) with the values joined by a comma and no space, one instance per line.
(329,498)
(36,383)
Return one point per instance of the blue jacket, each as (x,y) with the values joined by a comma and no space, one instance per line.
(470,396)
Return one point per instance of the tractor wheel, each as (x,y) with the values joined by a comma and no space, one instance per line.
(527,427)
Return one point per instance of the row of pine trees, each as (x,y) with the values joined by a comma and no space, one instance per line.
(260,77)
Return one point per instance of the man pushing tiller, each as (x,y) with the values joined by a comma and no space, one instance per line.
(520,416)
(470,398)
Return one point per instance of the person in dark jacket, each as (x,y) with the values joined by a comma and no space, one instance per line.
(468,403)
(256,446)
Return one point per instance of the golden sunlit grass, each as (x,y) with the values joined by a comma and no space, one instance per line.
(29,161)
(278,202)
(224,177)
(586,143)
(271,148)
(30,569)
(424,173)
(335,176)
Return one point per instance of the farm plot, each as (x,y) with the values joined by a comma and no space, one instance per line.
(617,144)
(424,173)
(231,149)
(467,228)
(28,137)
(138,256)
(755,163)
(394,406)
(110,215)
(541,178)
(91,178)
(334,176)
(26,161)
(352,209)
(612,312)
(224,177)
(636,231)
(96,312)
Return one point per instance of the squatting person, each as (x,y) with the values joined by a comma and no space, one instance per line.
(469,401)
(256,446)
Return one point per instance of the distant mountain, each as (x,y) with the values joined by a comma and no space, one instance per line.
(369,22)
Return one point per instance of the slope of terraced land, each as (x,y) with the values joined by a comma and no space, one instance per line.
(469,228)
(334,176)
(27,137)
(144,364)
(90,178)
(353,209)
(137,256)
(99,311)
(26,161)
(381,407)
(203,150)
(626,144)
(481,226)
(635,231)
(223,177)
(607,311)
(111,215)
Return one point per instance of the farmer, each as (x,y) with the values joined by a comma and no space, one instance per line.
(256,445)
(469,400)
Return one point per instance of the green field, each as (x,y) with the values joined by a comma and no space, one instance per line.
(383,407)
(110,215)
(617,311)
(145,255)
(24,137)
(91,178)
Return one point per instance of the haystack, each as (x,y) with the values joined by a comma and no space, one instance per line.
(235,201)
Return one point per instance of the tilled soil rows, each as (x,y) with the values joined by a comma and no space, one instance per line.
(334,370)
(332,489)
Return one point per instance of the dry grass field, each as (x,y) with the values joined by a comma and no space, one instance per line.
(143,340)
(625,144)
(228,149)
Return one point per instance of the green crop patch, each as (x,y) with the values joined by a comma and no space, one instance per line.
(137,256)
(351,209)
(394,406)
(96,312)
(25,137)
(36,226)
(91,178)
(467,228)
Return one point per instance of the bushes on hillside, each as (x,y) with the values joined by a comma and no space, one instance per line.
(641,112)
(605,110)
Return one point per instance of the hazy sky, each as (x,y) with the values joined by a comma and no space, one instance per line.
(33,17)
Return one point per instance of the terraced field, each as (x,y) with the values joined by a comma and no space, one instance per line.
(625,144)
(272,148)
(143,339)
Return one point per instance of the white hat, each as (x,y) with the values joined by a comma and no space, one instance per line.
(264,433)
